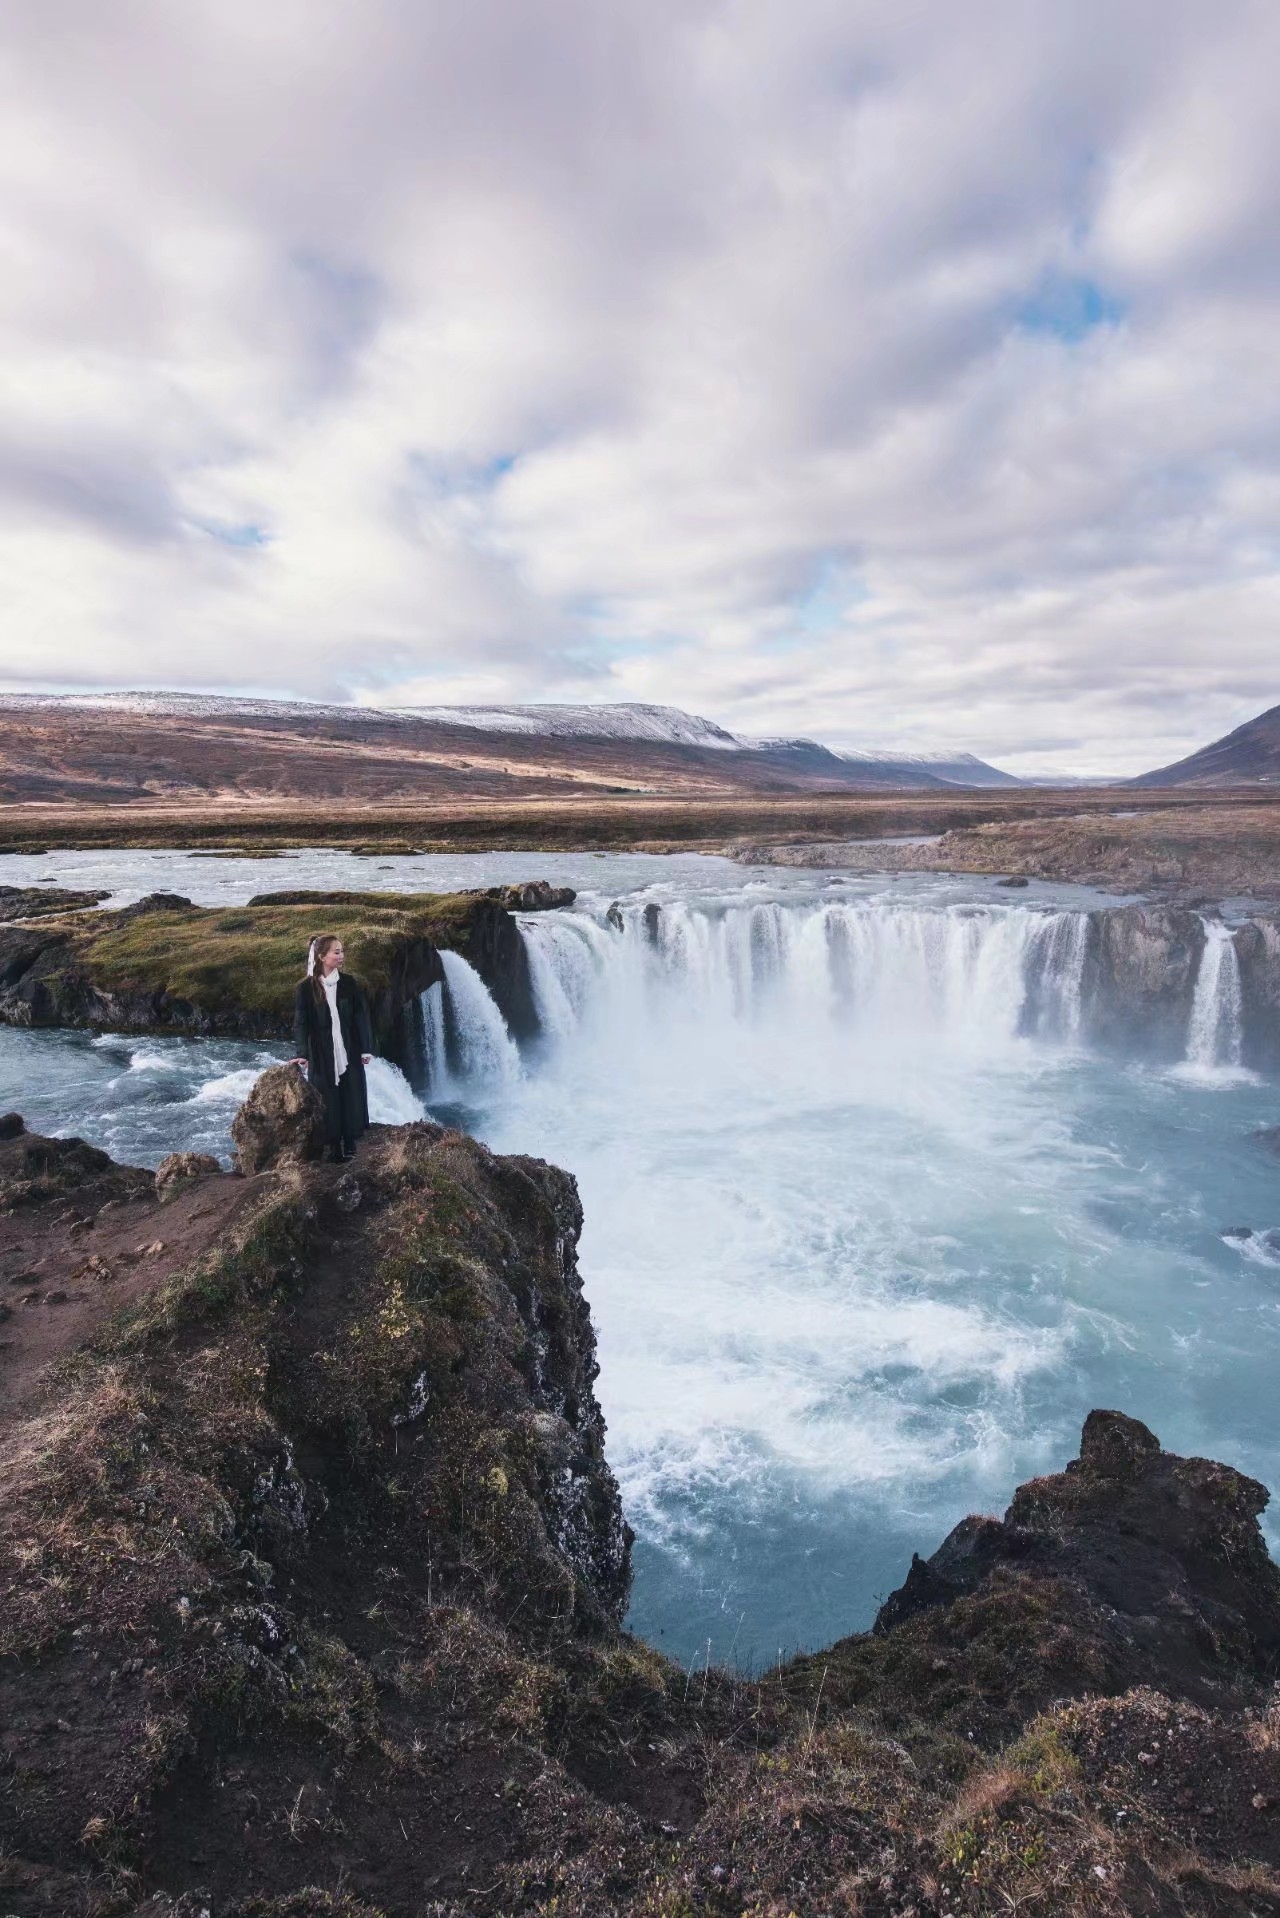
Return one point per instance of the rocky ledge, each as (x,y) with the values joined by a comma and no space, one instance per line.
(312,1571)
(166,966)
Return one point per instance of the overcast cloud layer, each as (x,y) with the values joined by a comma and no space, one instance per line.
(885,372)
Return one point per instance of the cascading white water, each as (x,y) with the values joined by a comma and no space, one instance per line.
(974,975)
(867,1228)
(1215,1034)
(392,1100)
(480,1050)
(435,1057)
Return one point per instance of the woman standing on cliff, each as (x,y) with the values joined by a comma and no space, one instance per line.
(334,1041)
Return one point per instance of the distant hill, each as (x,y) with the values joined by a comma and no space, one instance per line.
(1248,756)
(113,747)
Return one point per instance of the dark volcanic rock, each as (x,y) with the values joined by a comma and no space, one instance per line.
(1015,881)
(312,1568)
(1257,945)
(35,1172)
(280,1123)
(11,1124)
(496,949)
(154,902)
(535,895)
(34,902)
(1169,1546)
(1140,975)
(359,1508)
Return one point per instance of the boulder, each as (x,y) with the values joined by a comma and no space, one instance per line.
(535,895)
(280,1123)
(1115,1445)
(155,902)
(173,1173)
(11,1125)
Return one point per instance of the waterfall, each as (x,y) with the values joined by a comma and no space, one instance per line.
(1215,1034)
(478,1048)
(435,1057)
(975,975)
(392,1100)
(1055,975)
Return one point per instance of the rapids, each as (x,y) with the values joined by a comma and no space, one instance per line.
(868,1228)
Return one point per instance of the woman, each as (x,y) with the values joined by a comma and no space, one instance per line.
(334,1041)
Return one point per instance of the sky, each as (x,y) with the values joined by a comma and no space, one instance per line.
(882,372)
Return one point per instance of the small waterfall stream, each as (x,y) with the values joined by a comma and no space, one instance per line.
(1216,1034)
(464,1031)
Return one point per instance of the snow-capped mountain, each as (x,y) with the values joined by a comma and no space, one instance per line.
(958,769)
(625,721)
(443,733)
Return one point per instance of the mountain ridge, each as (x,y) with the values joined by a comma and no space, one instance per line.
(131,745)
(1249,754)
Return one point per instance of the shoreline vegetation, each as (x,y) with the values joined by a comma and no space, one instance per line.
(312,1573)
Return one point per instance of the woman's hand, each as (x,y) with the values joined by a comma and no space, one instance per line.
(367,1057)
(299,1062)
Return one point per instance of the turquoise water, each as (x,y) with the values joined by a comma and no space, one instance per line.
(861,1255)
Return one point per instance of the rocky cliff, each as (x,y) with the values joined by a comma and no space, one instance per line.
(1140,973)
(1139,979)
(164,965)
(312,1567)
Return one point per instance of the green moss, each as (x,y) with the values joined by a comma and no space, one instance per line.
(1043,1759)
(250,959)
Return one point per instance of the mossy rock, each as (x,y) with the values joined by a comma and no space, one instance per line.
(234,970)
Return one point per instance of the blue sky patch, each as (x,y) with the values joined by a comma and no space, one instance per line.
(227,535)
(1068,307)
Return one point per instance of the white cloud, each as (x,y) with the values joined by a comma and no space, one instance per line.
(874,371)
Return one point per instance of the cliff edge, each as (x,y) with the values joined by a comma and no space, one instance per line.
(312,1572)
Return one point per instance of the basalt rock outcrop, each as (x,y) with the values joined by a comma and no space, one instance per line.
(1257,945)
(1141,968)
(312,1571)
(1139,979)
(534,895)
(177,1169)
(1167,1548)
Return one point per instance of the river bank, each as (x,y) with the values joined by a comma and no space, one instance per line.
(1193,852)
(656,822)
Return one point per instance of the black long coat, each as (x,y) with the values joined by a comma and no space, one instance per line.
(346,1100)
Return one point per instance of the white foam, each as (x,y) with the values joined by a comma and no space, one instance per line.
(229,1088)
(1215,1035)
(485,1051)
(392,1100)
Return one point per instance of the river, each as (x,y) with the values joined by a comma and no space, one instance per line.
(868,1229)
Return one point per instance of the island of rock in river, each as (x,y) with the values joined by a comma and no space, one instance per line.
(164,965)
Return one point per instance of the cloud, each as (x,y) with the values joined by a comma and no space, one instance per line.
(880,372)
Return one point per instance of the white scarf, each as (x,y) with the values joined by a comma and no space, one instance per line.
(329,980)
